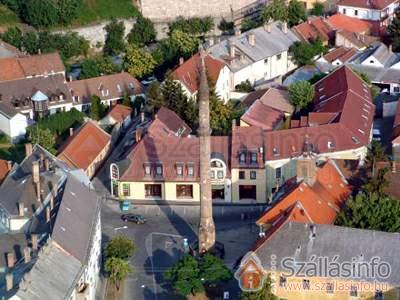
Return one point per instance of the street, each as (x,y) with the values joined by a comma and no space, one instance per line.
(159,244)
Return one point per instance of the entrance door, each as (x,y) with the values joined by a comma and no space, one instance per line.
(247,192)
(218,192)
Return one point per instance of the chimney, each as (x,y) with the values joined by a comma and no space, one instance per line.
(28,149)
(285,28)
(10,259)
(181,61)
(232,53)
(36,178)
(9,165)
(138,135)
(21,209)
(390,48)
(27,254)
(233,124)
(9,281)
(71,131)
(237,31)
(252,39)
(394,167)
(34,240)
(307,170)
(142,116)
(46,164)
(48,214)
(267,26)
(211,41)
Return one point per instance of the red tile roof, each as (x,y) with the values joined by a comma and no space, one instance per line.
(120,112)
(4,169)
(340,21)
(396,124)
(81,149)
(341,53)
(318,203)
(370,4)
(106,87)
(167,122)
(27,66)
(358,40)
(314,28)
(277,98)
(262,116)
(170,151)
(188,74)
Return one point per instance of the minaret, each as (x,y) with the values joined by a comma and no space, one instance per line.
(206,226)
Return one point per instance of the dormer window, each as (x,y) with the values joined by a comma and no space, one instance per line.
(242,157)
(275,151)
(179,170)
(330,145)
(147,170)
(159,170)
(190,170)
(253,157)
(119,88)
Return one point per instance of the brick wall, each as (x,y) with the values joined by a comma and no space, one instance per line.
(171,9)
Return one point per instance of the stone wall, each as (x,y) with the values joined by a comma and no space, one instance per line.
(165,10)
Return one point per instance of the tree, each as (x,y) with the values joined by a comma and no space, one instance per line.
(42,136)
(376,152)
(248,24)
(264,294)
(143,32)
(138,62)
(117,269)
(296,13)
(371,211)
(97,66)
(155,99)
(138,104)
(317,10)
(120,247)
(115,33)
(13,36)
(378,183)
(186,45)
(220,115)
(394,31)
(68,10)
(97,109)
(301,94)
(304,52)
(213,270)
(244,87)
(276,10)
(225,26)
(30,41)
(40,13)
(192,26)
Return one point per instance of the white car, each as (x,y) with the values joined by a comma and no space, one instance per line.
(376,135)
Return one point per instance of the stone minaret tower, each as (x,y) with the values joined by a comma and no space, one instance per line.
(206,226)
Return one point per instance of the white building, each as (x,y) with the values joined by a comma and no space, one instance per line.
(258,55)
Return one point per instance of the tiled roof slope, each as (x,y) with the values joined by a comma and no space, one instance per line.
(263,116)
(120,112)
(340,21)
(188,72)
(341,53)
(84,146)
(314,28)
(167,122)
(317,203)
(168,151)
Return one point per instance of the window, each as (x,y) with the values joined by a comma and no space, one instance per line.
(378,295)
(147,170)
(371,61)
(356,12)
(159,170)
(242,175)
(190,171)
(253,157)
(212,174)
(220,174)
(179,170)
(329,287)
(396,89)
(344,11)
(306,284)
(278,173)
(282,281)
(253,175)
(275,151)
(126,189)
(184,191)
(353,291)
(279,56)
(266,60)
(152,190)
(242,157)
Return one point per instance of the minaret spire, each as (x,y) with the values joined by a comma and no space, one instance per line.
(206,226)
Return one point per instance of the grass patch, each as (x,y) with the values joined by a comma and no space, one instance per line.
(8,17)
(100,10)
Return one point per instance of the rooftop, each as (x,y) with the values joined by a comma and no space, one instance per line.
(84,146)
(370,4)
(263,116)
(314,28)
(120,112)
(360,41)
(340,22)
(167,122)
(341,53)
(277,98)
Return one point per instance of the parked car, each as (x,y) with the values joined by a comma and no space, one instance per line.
(376,135)
(148,80)
(138,219)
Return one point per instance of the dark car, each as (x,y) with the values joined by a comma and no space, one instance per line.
(138,219)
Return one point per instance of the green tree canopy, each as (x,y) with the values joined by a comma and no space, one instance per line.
(296,13)
(301,94)
(192,26)
(97,66)
(68,10)
(155,99)
(371,211)
(40,13)
(264,294)
(186,44)
(317,10)
(138,62)
(120,247)
(97,109)
(304,52)
(143,32)
(275,10)
(42,136)
(117,270)
(376,152)
(115,34)
(394,31)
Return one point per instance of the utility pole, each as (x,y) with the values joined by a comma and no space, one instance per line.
(206,226)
